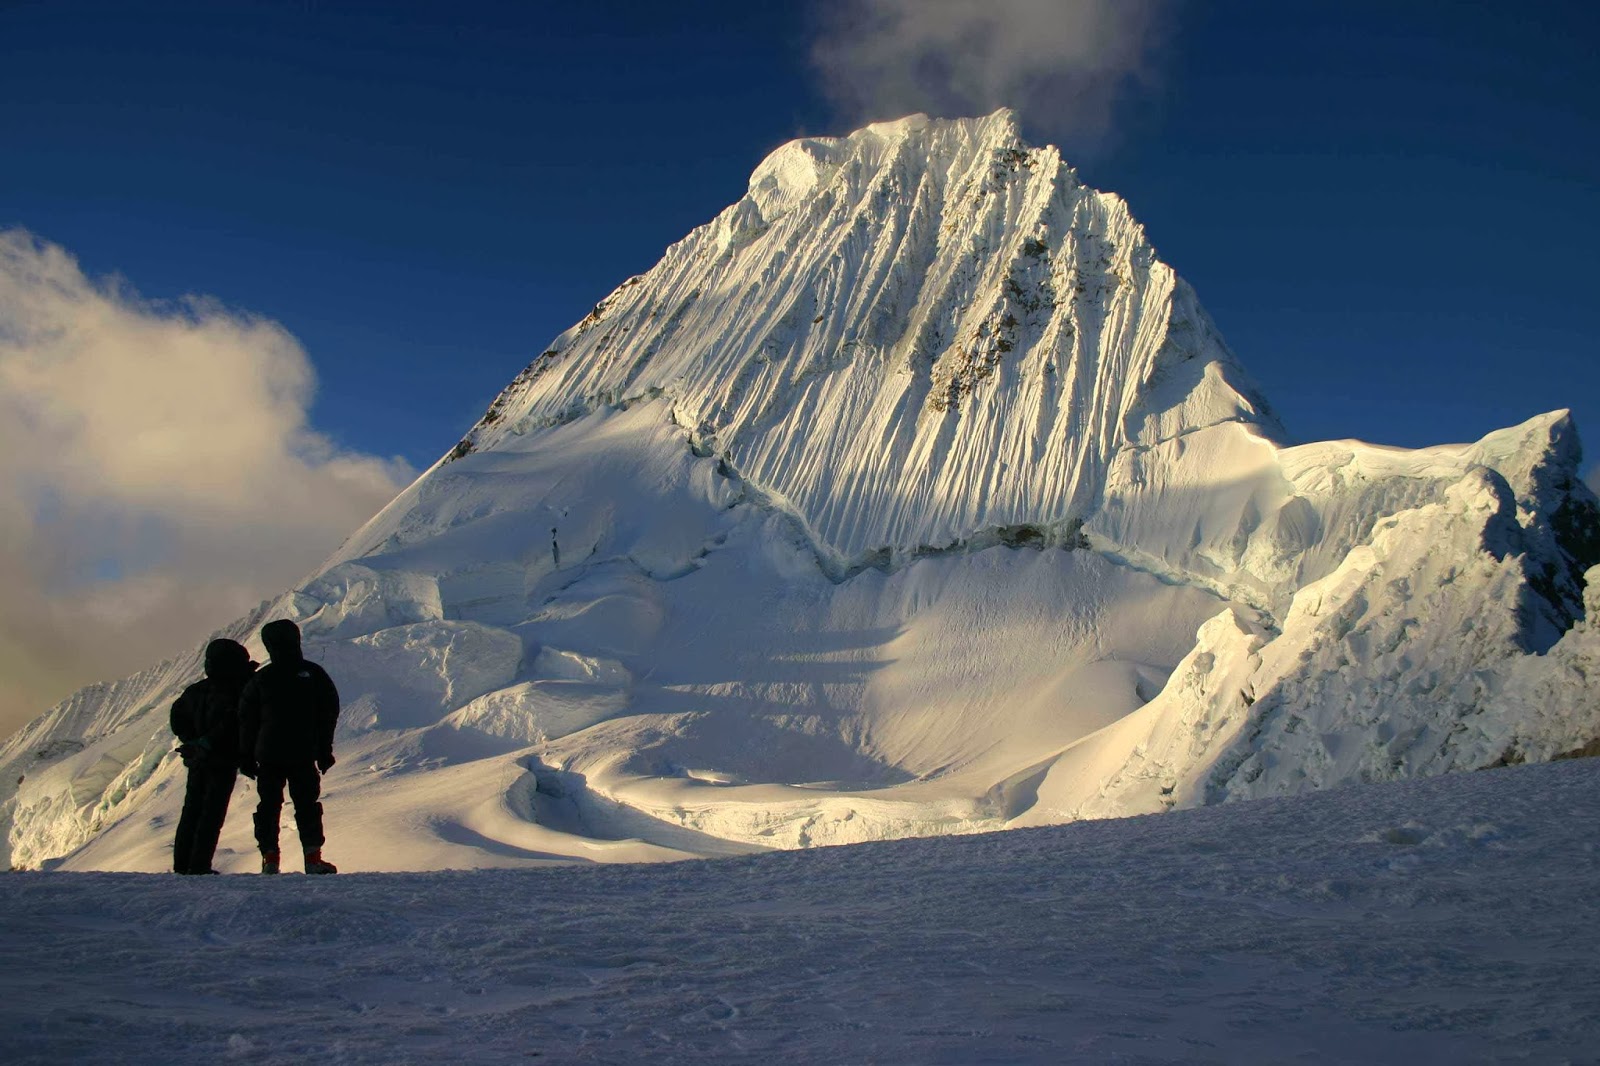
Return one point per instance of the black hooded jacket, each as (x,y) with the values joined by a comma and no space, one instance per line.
(290,707)
(206,717)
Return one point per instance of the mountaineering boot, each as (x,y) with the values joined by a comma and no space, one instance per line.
(269,862)
(315,864)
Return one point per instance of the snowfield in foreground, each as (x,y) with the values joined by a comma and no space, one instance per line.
(1439,920)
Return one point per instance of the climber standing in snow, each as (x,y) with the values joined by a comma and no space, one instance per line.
(286,719)
(206,721)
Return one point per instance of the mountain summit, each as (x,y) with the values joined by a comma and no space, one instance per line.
(912,494)
(910,334)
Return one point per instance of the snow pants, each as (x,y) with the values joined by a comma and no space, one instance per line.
(305,786)
(205,805)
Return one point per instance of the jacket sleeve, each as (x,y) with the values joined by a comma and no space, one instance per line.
(329,709)
(182,718)
(249,717)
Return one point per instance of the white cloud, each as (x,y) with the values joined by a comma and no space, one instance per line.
(1063,64)
(157,474)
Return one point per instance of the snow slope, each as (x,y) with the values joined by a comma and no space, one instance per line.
(907,335)
(1441,920)
(911,495)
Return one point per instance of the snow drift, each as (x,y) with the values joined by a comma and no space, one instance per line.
(911,495)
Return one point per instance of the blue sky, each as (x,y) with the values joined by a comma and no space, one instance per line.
(1390,209)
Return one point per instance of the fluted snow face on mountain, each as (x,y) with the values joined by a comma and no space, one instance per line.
(909,334)
(912,494)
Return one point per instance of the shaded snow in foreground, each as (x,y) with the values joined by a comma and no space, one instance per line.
(1440,920)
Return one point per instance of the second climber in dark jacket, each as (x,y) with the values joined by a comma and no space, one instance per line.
(206,721)
(287,716)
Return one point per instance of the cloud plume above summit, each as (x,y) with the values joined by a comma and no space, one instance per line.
(158,475)
(1064,64)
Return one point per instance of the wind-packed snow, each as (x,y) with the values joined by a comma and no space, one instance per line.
(912,495)
(1446,920)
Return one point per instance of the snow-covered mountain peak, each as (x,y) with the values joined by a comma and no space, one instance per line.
(910,494)
(800,167)
(1542,458)
(889,324)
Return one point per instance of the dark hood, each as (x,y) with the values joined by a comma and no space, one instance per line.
(227,660)
(282,640)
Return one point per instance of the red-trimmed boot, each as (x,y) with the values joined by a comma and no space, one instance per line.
(315,864)
(269,862)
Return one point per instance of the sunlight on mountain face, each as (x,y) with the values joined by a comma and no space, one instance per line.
(911,495)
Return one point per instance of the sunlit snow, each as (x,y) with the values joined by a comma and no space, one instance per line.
(913,495)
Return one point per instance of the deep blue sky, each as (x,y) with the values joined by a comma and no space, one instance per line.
(1392,210)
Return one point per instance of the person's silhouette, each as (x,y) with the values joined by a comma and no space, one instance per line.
(287,715)
(206,721)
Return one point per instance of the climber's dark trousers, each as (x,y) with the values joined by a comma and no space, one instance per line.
(205,806)
(305,785)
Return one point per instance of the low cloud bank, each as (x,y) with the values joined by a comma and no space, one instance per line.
(1063,64)
(158,476)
